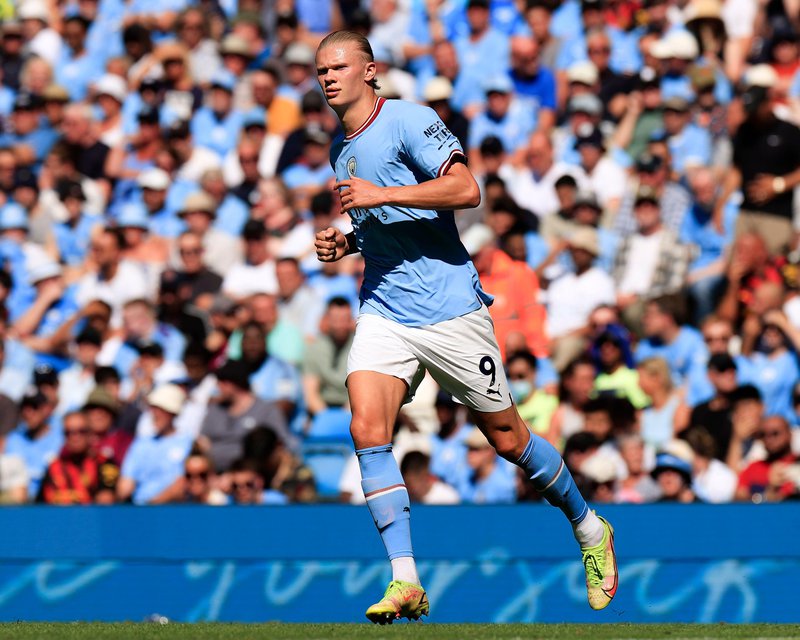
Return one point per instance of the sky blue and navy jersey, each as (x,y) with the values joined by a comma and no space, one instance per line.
(417,271)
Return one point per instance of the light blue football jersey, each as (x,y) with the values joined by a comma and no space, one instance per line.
(417,271)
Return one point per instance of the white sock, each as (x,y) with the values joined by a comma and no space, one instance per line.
(405,569)
(589,531)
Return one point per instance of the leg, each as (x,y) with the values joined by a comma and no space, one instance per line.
(542,463)
(544,466)
(375,399)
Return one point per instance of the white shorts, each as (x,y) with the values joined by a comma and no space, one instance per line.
(461,354)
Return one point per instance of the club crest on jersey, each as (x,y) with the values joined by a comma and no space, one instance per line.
(351,166)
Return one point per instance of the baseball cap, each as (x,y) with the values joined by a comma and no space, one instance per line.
(701,77)
(169,397)
(26,101)
(316,135)
(178,129)
(111,85)
(155,179)
(55,93)
(476,440)
(235,372)
(721,362)
(13,216)
(89,336)
(646,194)
(649,163)
(44,374)
(33,10)
(583,73)
(437,89)
(199,201)
(500,83)
(24,177)
(44,271)
(255,117)
(148,115)
(585,238)
(753,98)
(676,103)
(134,215)
(479,4)
(235,45)
(100,398)
(760,75)
(477,237)
(586,103)
(149,348)
(647,78)
(33,398)
(299,53)
(591,137)
(223,79)
(670,462)
(586,199)
(599,468)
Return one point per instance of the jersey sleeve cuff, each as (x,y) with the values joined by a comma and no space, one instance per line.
(456,155)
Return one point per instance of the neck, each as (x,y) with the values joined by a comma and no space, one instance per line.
(37,431)
(659,398)
(357,113)
(241,403)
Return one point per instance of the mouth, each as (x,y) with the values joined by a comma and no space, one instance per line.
(330,93)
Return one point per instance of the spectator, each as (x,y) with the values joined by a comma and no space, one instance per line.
(114,280)
(488,479)
(649,263)
(575,388)
(535,406)
(767,479)
(438,93)
(423,486)
(325,360)
(106,417)
(572,297)
(198,482)
(198,280)
(638,486)
(666,415)
(674,477)
(299,305)
(236,412)
(220,250)
(257,273)
(616,373)
(247,485)
(601,472)
(37,440)
(713,481)
(506,279)
(153,464)
(78,475)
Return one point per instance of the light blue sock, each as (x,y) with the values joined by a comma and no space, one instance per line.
(387,499)
(546,469)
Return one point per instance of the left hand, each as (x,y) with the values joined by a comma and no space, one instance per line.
(760,189)
(357,193)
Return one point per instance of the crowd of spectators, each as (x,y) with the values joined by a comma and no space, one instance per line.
(167,334)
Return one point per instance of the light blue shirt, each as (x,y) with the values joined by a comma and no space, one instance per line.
(73,241)
(155,463)
(685,352)
(219,135)
(232,214)
(172,341)
(698,229)
(276,380)
(417,271)
(37,454)
(499,487)
(775,379)
(513,129)
(17,372)
(690,146)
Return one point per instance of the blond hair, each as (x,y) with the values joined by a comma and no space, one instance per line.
(362,46)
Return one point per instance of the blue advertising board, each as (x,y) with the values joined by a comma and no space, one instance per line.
(681,563)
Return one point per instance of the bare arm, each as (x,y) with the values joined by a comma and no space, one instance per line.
(456,189)
(314,401)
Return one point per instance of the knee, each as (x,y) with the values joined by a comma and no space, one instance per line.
(368,432)
(508,442)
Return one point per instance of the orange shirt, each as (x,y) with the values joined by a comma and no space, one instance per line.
(515,288)
(283,116)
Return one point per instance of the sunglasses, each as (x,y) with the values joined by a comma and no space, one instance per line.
(244,485)
(202,475)
(770,434)
(76,432)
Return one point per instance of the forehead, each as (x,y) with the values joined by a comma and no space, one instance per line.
(337,53)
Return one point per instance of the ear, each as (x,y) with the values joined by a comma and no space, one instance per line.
(369,72)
